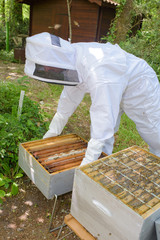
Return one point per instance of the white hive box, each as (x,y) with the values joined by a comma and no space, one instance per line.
(118,197)
(50,163)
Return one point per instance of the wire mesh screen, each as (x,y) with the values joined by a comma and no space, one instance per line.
(132,175)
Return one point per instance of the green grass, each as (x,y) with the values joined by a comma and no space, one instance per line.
(128,135)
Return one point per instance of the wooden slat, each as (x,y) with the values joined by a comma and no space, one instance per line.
(52,144)
(77,228)
(61,159)
(51,139)
(61,149)
(66,166)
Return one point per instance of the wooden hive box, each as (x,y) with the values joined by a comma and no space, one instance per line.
(118,197)
(50,163)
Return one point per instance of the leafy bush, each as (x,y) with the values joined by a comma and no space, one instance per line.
(7,56)
(13,131)
(145,43)
(2,36)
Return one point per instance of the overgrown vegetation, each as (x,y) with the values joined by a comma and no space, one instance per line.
(13,131)
(14,22)
(145,41)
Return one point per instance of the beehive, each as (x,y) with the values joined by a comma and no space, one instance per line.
(118,197)
(50,163)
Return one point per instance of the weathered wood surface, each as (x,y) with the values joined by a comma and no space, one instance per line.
(77,228)
(58,153)
(122,191)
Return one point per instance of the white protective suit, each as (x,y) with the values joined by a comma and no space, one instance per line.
(117,82)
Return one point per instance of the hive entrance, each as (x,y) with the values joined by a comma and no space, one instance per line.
(131,175)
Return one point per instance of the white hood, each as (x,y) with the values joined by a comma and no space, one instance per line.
(51,59)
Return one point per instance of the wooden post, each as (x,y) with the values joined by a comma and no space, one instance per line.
(69,20)
(20,104)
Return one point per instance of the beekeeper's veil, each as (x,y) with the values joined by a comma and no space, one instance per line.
(50,59)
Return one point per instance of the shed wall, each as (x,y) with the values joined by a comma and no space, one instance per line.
(89,20)
(106,17)
(84,21)
(50,16)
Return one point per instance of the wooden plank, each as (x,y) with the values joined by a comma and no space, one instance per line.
(47,140)
(66,166)
(60,160)
(60,149)
(52,144)
(77,228)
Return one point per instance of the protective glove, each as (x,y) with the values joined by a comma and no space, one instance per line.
(56,126)
(93,152)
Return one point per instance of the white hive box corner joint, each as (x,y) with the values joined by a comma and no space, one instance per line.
(118,196)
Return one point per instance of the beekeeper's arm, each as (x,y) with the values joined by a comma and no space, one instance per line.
(105,108)
(70,98)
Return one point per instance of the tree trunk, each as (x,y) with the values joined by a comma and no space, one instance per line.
(123,22)
(2,11)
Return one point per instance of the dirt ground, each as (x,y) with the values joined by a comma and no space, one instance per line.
(27,215)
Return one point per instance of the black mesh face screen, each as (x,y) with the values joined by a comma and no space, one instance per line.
(49,72)
(55,40)
(65,76)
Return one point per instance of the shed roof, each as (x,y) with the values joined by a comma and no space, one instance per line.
(111,2)
(99,2)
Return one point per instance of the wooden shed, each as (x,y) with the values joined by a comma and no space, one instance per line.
(90,19)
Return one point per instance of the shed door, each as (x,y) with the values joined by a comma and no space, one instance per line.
(106,17)
(84,16)
(50,16)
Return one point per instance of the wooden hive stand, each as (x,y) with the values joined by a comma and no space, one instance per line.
(76,227)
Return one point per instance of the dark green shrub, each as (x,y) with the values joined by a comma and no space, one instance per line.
(13,131)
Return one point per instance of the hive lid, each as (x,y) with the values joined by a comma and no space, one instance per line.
(132,176)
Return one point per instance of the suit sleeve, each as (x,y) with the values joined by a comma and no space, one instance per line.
(104,111)
(70,98)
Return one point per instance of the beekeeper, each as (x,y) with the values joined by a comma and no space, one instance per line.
(116,81)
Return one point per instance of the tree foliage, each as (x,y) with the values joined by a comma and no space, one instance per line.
(17,16)
(144,42)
